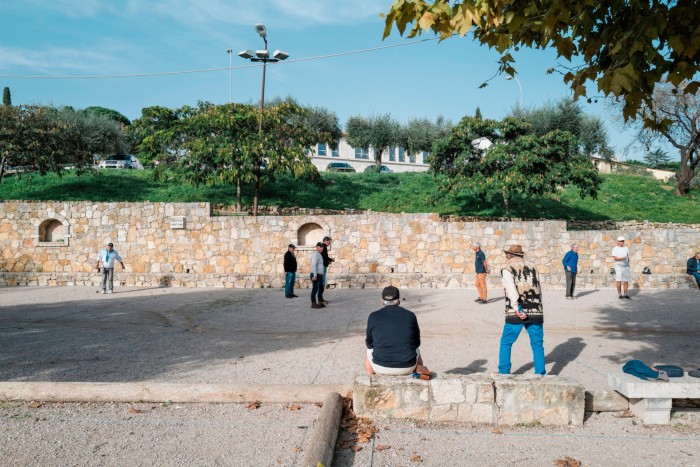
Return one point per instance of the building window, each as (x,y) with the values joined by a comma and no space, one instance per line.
(402,155)
(392,154)
(426,157)
(361,153)
(322,150)
(412,158)
(335,152)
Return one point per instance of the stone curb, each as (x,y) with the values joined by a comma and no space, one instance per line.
(322,443)
(161,392)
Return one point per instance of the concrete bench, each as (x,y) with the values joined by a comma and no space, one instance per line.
(651,400)
(476,398)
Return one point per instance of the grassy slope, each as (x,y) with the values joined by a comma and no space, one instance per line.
(621,197)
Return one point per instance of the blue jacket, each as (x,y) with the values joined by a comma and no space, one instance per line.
(692,265)
(571,260)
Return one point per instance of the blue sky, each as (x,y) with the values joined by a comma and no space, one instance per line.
(56,38)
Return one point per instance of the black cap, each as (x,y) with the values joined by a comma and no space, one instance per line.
(291,245)
(390,293)
(110,244)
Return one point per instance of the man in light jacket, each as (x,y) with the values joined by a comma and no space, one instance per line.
(105,259)
(317,277)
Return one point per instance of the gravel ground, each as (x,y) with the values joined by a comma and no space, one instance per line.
(153,434)
(259,337)
(607,439)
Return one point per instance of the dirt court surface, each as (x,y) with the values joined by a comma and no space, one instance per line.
(203,335)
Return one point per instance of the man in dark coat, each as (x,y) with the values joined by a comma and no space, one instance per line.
(693,267)
(290,268)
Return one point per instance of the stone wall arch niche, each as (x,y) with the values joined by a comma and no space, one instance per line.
(309,234)
(53,232)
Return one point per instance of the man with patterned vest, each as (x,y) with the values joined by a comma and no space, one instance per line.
(523,309)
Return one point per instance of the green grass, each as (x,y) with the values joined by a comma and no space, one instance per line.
(621,197)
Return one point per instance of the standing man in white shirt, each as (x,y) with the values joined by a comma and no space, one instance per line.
(317,277)
(621,255)
(105,259)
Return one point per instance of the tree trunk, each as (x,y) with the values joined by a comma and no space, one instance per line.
(686,174)
(257,191)
(506,201)
(238,195)
(2,167)
(378,160)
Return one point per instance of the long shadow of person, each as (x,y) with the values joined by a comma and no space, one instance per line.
(561,355)
(477,366)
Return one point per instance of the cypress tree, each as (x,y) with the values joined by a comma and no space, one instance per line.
(6,97)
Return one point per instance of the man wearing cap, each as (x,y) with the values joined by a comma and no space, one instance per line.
(621,255)
(290,268)
(105,259)
(393,338)
(693,267)
(317,277)
(523,309)
(481,268)
(327,260)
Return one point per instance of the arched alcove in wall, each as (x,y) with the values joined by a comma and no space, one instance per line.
(51,230)
(310,234)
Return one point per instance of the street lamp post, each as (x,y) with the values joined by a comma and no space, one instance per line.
(519,86)
(230,79)
(264,57)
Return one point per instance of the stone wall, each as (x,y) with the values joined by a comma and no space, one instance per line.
(510,400)
(56,243)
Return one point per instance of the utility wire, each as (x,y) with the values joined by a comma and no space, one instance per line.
(208,70)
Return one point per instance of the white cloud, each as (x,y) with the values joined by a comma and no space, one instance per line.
(291,13)
(54,60)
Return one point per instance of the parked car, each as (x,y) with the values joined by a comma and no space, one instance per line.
(384,169)
(118,161)
(340,167)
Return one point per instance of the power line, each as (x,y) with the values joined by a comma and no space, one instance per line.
(209,70)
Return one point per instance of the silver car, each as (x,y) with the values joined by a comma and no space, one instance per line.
(121,161)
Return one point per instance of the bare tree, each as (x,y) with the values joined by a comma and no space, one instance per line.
(674,117)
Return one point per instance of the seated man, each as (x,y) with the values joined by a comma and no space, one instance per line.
(693,267)
(393,338)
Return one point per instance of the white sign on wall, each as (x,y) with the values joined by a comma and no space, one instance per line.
(177,222)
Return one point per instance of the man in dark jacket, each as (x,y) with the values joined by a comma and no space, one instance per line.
(393,338)
(693,267)
(327,260)
(290,267)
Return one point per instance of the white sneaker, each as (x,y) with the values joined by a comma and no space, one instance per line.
(104,291)
(109,291)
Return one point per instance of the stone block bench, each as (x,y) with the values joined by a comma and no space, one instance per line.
(651,400)
(478,398)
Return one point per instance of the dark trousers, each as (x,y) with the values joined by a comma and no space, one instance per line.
(317,288)
(696,275)
(289,284)
(570,283)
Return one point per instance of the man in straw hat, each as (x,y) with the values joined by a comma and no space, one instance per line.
(523,309)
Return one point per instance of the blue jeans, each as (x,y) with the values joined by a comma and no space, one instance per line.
(510,335)
(317,288)
(289,284)
(696,275)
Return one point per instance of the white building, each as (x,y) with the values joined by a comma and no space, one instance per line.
(395,159)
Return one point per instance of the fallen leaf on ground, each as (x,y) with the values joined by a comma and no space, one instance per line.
(132,410)
(297,449)
(265,369)
(416,458)
(497,431)
(381,447)
(624,414)
(357,448)
(254,405)
(318,404)
(567,462)
(34,405)
(294,407)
